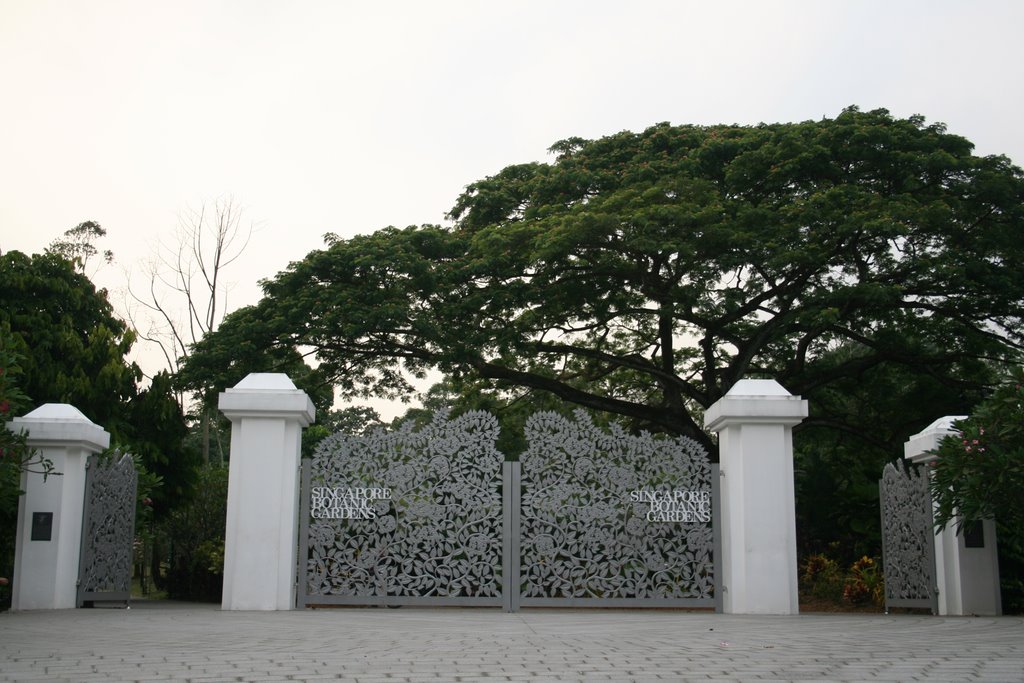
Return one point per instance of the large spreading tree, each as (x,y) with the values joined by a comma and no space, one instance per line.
(643,274)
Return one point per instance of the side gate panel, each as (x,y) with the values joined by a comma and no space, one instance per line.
(108,530)
(908,539)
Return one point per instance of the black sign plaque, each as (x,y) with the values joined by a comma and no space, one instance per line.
(42,526)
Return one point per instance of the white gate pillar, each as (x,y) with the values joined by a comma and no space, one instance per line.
(754,421)
(966,567)
(267,416)
(49,536)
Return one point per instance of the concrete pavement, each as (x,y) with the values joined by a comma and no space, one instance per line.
(167,642)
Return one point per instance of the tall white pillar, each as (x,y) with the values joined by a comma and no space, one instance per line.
(966,567)
(267,416)
(49,540)
(754,421)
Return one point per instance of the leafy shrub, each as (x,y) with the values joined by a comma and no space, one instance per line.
(980,472)
(15,458)
(864,583)
(861,584)
(192,539)
(979,475)
(821,578)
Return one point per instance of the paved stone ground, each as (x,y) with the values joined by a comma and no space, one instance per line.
(203,644)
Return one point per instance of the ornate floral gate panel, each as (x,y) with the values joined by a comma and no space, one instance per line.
(406,518)
(108,530)
(436,517)
(908,538)
(612,519)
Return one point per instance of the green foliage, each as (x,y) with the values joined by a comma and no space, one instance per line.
(643,274)
(159,442)
(865,583)
(353,420)
(822,578)
(220,361)
(15,455)
(511,408)
(77,244)
(193,537)
(1011,567)
(241,346)
(866,262)
(862,584)
(74,350)
(838,462)
(148,484)
(16,458)
(71,348)
(980,472)
(72,345)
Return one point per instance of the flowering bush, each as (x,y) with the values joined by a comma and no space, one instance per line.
(980,472)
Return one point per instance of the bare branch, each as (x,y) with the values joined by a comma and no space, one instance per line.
(185,295)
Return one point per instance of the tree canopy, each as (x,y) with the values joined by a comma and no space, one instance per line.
(73,349)
(643,274)
(77,244)
(72,345)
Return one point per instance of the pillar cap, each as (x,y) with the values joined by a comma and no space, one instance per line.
(60,425)
(755,401)
(267,394)
(920,448)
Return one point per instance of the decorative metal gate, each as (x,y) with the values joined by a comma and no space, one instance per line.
(612,519)
(908,538)
(405,517)
(437,517)
(108,530)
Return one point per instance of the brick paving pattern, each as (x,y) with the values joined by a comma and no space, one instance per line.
(167,642)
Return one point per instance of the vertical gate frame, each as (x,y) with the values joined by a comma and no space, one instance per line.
(301,577)
(511,495)
(716,532)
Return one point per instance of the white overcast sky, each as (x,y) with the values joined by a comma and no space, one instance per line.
(335,116)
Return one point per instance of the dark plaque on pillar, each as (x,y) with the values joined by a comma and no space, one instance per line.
(42,526)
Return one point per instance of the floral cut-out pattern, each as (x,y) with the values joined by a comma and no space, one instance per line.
(613,515)
(408,513)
